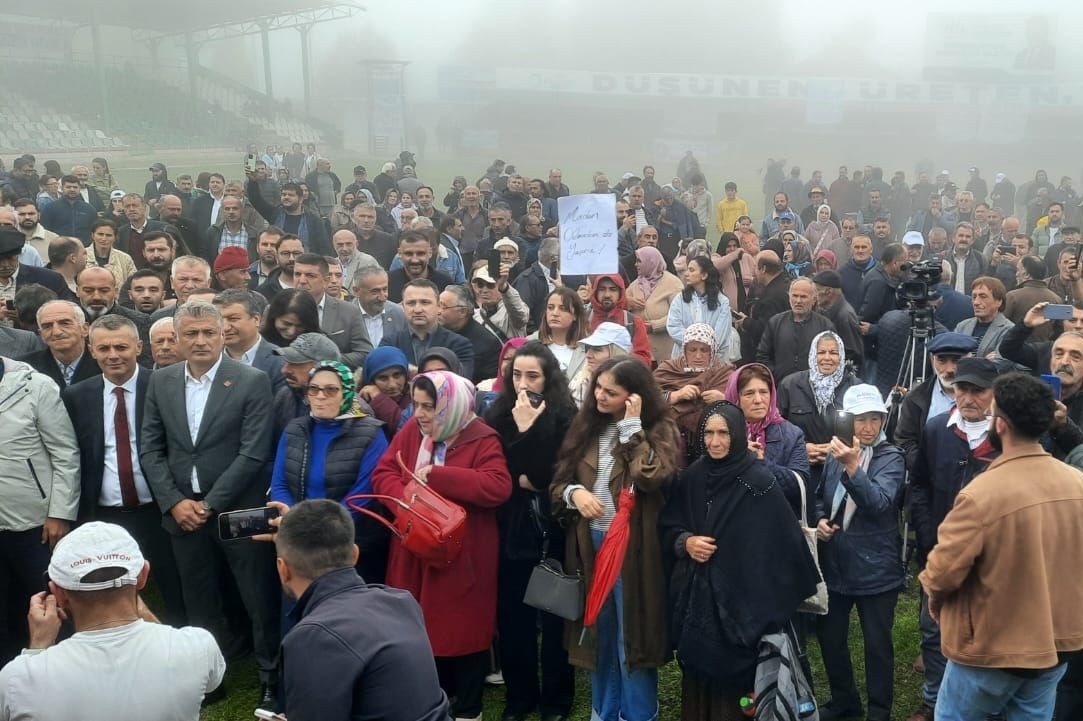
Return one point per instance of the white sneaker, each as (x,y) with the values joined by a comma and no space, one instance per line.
(471,718)
(495,679)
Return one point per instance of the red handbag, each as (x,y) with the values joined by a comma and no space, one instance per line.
(430,526)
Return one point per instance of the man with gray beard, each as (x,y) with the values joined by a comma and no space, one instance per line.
(97,291)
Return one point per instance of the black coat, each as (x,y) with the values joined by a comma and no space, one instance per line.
(52,280)
(785,343)
(773,299)
(533,288)
(797,404)
(533,454)
(43,362)
(486,349)
(316,242)
(439,337)
(397,280)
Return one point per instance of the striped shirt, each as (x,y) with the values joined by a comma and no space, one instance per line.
(621,432)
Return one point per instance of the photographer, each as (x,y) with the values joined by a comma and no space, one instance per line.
(1006,261)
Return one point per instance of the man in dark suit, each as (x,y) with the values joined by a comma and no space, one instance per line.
(171,212)
(242,314)
(206,444)
(63,327)
(415,252)
(370,239)
(379,317)
(114,489)
(206,207)
(420,302)
(340,321)
(69,214)
(11,245)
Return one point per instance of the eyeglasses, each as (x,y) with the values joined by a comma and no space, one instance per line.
(327,391)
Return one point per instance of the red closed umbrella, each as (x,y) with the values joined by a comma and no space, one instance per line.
(610,557)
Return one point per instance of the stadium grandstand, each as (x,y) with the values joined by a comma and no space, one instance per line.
(125,103)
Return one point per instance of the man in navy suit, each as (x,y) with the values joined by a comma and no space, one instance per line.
(14,272)
(241,317)
(420,302)
(114,488)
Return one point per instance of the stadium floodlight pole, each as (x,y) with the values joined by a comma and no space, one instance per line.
(99,67)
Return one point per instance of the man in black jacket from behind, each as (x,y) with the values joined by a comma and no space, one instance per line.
(772,300)
(333,666)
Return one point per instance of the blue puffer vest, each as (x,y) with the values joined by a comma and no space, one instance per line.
(343,455)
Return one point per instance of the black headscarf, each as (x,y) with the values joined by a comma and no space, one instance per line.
(760,573)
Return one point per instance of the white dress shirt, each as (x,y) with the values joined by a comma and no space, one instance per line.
(374,325)
(196,393)
(319,307)
(248,356)
(110,493)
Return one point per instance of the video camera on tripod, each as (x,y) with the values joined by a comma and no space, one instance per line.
(921,287)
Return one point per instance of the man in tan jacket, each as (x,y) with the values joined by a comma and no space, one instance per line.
(1003,580)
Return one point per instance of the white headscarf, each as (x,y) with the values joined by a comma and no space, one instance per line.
(824,387)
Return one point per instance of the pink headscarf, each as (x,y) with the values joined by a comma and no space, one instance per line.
(757,431)
(511,344)
(829,256)
(653,267)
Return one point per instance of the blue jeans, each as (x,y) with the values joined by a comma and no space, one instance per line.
(617,693)
(968,693)
(930,654)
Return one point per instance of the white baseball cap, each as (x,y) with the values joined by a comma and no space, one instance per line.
(913,237)
(609,334)
(863,398)
(92,547)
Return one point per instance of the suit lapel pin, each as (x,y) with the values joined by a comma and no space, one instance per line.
(227,383)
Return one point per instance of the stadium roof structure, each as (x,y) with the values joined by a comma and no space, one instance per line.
(190,16)
(197,22)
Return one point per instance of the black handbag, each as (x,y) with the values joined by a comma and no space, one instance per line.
(553,591)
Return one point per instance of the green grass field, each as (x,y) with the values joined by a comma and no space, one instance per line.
(244,688)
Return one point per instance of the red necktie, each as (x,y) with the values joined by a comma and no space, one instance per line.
(124,452)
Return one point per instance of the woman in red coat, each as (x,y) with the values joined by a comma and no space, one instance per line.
(462,459)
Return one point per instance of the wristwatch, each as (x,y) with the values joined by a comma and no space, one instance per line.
(206,509)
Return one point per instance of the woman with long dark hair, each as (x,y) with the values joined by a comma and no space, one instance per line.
(290,313)
(461,459)
(563,325)
(723,600)
(531,413)
(622,439)
(701,301)
(101,179)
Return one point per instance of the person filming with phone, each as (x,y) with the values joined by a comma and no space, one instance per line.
(857,511)
(121,664)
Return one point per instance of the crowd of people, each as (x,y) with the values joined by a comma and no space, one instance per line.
(717,442)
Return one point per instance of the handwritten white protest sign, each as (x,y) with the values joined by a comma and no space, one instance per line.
(588,234)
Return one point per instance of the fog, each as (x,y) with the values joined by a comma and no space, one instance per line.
(613,85)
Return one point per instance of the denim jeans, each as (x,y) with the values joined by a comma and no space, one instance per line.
(617,693)
(968,693)
(930,654)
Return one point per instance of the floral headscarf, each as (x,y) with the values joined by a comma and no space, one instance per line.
(802,257)
(349,385)
(701,333)
(510,345)
(653,265)
(454,411)
(824,387)
(757,430)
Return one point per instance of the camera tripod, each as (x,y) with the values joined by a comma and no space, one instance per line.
(911,374)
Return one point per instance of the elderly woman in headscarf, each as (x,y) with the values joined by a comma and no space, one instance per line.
(331,453)
(726,500)
(857,512)
(776,441)
(649,297)
(795,254)
(810,398)
(822,231)
(461,458)
(694,379)
(825,260)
